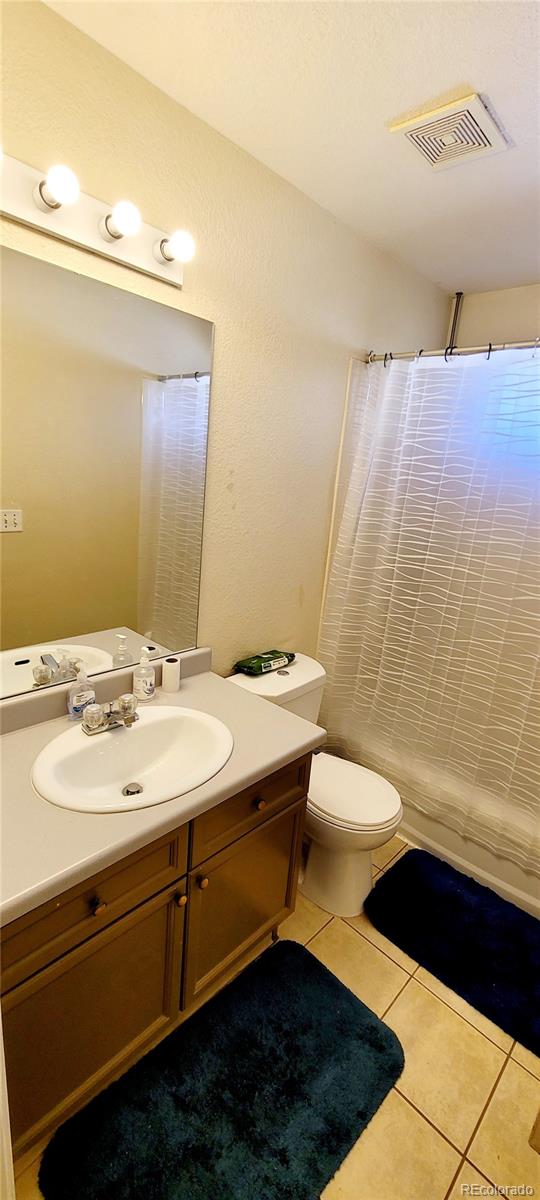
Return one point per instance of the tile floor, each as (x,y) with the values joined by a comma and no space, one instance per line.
(461,1114)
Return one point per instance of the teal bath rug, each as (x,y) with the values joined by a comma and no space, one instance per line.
(258,1096)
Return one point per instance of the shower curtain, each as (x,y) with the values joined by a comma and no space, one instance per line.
(430,632)
(173,465)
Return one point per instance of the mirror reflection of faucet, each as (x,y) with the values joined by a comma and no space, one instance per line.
(49,670)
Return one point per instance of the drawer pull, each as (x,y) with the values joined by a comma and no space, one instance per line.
(98,907)
(203,881)
(180,901)
(260,804)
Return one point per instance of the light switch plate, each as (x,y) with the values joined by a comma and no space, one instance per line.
(11,520)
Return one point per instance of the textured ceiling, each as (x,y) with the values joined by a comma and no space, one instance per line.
(309,89)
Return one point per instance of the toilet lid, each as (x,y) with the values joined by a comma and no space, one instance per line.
(350,795)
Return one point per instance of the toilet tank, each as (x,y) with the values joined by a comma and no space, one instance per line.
(298,687)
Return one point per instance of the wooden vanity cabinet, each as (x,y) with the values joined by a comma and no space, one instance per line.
(238,896)
(96,977)
(70,1027)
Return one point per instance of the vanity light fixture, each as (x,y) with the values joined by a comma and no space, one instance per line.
(60,187)
(54,205)
(123,221)
(179,247)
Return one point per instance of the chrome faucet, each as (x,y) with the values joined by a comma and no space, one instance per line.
(100,717)
(49,660)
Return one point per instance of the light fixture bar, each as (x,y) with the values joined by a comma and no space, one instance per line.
(79,224)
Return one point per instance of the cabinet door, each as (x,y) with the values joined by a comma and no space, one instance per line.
(69,1028)
(239,895)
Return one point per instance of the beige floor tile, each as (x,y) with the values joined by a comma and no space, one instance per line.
(492,1031)
(398,1157)
(527,1059)
(359,965)
(364,926)
(501,1147)
(450,1068)
(26,1186)
(305,921)
(382,855)
(468,1177)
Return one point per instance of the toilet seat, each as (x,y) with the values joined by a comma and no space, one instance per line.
(347,796)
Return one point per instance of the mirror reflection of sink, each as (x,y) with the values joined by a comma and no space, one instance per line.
(168,752)
(16,665)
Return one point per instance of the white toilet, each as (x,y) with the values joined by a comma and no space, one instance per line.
(350,810)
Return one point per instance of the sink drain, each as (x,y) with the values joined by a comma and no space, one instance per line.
(132,789)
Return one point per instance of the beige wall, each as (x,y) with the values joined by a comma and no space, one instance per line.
(292,292)
(510,315)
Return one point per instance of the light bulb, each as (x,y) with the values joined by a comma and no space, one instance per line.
(60,187)
(124,221)
(179,247)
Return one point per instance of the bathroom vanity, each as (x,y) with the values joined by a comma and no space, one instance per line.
(100,971)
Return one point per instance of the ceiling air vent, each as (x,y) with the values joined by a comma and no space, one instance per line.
(448,135)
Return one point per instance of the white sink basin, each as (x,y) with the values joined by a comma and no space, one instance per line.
(16,665)
(167,752)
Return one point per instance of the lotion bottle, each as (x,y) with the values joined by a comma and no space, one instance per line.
(144,677)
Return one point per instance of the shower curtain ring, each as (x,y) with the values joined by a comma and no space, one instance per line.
(385,358)
(489,352)
(196,376)
(449,351)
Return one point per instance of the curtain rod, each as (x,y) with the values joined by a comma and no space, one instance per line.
(450,352)
(188,375)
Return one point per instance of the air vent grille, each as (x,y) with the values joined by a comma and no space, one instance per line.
(453,133)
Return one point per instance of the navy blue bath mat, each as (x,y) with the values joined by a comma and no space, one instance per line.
(481,946)
(258,1096)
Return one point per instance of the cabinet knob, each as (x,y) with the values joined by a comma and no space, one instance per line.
(98,907)
(260,804)
(203,882)
(180,901)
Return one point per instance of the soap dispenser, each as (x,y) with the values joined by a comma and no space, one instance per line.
(144,677)
(80,695)
(121,656)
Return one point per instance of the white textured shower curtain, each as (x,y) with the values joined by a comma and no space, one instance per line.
(430,632)
(173,465)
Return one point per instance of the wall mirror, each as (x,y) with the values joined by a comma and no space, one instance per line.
(105,399)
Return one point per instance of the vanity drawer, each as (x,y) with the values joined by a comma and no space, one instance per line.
(43,935)
(214,830)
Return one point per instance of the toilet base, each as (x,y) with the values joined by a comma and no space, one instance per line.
(337,881)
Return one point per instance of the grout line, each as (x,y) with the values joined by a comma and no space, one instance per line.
(427,988)
(520,1064)
(428,1121)
(392,859)
(314,935)
(374,946)
(454,1180)
(482,1173)
(487,1104)
(402,989)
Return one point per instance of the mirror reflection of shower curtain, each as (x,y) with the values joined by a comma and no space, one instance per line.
(430,633)
(173,464)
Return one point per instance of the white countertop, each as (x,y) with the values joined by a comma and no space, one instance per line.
(45,850)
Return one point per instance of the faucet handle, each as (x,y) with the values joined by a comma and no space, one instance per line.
(127,704)
(93,716)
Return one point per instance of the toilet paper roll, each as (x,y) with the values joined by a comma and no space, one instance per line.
(170,675)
